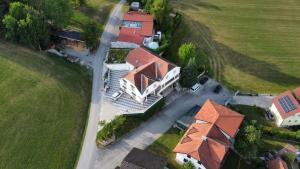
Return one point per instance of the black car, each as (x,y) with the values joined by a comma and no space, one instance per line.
(217,89)
(203,80)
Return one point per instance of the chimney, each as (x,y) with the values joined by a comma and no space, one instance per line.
(204,138)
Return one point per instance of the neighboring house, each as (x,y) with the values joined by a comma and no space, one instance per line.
(276,163)
(207,141)
(136,30)
(149,74)
(286,108)
(71,39)
(142,159)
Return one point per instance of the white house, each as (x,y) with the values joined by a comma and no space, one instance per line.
(150,74)
(286,108)
(206,142)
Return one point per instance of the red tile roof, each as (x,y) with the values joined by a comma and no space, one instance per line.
(206,143)
(136,35)
(226,119)
(148,68)
(280,109)
(132,35)
(276,163)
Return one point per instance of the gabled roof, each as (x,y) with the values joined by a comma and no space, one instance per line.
(289,94)
(143,159)
(148,68)
(206,143)
(276,163)
(136,34)
(224,118)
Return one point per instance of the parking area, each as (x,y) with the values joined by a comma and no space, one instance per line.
(125,103)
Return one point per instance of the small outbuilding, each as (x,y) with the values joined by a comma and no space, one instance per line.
(142,159)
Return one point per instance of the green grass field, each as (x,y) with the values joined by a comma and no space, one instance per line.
(252,45)
(44,103)
(96,10)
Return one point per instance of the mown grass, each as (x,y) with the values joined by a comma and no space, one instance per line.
(165,144)
(93,10)
(252,45)
(44,104)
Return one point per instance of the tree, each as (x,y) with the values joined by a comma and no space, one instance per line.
(186,52)
(56,13)
(188,165)
(91,34)
(249,139)
(23,24)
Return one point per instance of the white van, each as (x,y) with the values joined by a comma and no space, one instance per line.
(195,88)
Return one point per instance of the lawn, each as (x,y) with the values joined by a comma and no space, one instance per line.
(96,10)
(251,45)
(44,103)
(165,144)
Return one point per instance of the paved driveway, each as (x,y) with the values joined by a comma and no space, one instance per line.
(151,130)
(89,149)
(262,101)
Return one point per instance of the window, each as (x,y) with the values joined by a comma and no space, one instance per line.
(185,160)
(289,121)
(296,121)
(133,94)
(199,162)
(188,156)
(124,81)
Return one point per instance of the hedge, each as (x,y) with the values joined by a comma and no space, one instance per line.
(280,133)
(124,124)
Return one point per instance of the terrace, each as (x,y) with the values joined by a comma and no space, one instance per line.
(125,103)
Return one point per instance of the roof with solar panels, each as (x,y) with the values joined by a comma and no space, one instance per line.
(288,103)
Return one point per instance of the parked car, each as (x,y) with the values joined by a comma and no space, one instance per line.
(195,88)
(203,80)
(217,89)
(117,95)
(269,115)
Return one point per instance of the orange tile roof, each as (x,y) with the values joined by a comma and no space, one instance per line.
(276,163)
(136,35)
(206,143)
(280,109)
(148,68)
(132,35)
(224,118)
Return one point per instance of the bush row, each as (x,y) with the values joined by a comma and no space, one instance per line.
(123,124)
(280,133)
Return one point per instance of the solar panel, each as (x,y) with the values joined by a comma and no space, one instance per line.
(287,104)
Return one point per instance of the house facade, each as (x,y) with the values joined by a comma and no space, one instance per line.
(207,141)
(149,74)
(286,108)
(137,30)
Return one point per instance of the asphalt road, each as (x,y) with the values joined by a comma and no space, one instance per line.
(148,132)
(89,148)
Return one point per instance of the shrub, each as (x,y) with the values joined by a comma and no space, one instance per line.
(188,165)
(124,124)
(280,133)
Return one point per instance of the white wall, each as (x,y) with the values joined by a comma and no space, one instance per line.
(277,116)
(292,120)
(180,159)
(289,121)
(140,97)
